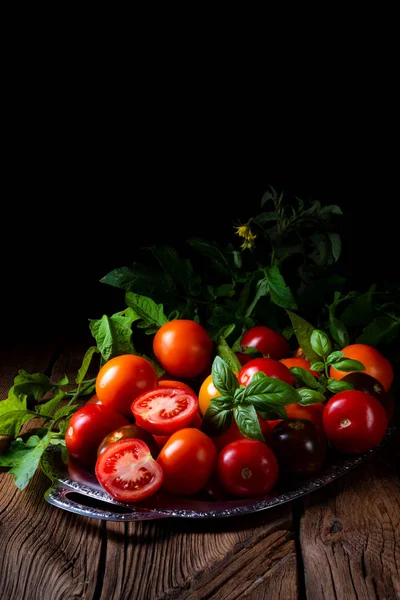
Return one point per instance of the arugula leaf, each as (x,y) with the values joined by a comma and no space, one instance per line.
(279,291)
(113,336)
(320,343)
(247,422)
(223,378)
(24,458)
(152,314)
(303,331)
(87,359)
(32,384)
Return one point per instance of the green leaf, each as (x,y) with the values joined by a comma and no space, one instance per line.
(13,402)
(218,416)
(11,422)
(225,331)
(320,343)
(322,245)
(147,309)
(223,378)
(304,377)
(180,269)
(336,245)
(49,407)
(338,331)
(113,336)
(247,422)
(226,290)
(339,386)
(142,280)
(237,259)
(24,458)
(279,291)
(317,366)
(87,359)
(157,367)
(381,330)
(269,390)
(334,357)
(310,397)
(35,384)
(265,217)
(360,311)
(227,355)
(303,331)
(65,411)
(270,194)
(348,365)
(262,289)
(212,251)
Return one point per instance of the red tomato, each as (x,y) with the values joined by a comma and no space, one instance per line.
(299,353)
(187,460)
(128,472)
(374,362)
(87,429)
(93,400)
(122,379)
(354,421)
(312,412)
(303,363)
(247,468)
(129,432)
(165,410)
(272,368)
(267,341)
(233,433)
(163,383)
(161,440)
(183,348)
(243,358)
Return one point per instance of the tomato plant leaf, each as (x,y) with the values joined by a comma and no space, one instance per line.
(223,377)
(381,329)
(11,422)
(180,269)
(51,405)
(308,396)
(212,251)
(247,422)
(279,291)
(113,335)
(303,331)
(339,386)
(348,365)
(360,310)
(32,384)
(65,411)
(24,458)
(87,359)
(320,343)
(336,245)
(304,377)
(142,279)
(147,309)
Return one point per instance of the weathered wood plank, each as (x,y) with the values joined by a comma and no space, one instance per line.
(350,534)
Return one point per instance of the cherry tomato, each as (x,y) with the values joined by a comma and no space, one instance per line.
(244,358)
(129,432)
(233,433)
(354,421)
(375,364)
(183,348)
(272,368)
(303,363)
(299,353)
(267,341)
(122,379)
(163,383)
(87,429)
(161,440)
(300,446)
(312,412)
(365,383)
(128,472)
(165,410)
(93,400)
(207,392)
(187,460)
(247,468)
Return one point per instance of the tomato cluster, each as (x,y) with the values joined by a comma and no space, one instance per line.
(143,434)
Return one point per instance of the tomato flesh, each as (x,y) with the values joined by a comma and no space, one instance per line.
(165,410)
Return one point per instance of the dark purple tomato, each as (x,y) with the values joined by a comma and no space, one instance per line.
(300,446)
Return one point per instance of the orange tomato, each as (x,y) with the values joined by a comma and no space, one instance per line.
(303,363)
(312,412)
(375,364)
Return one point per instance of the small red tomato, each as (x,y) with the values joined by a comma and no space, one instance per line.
(161,440)
(354,421)
(269,342)
(165,410)
(93,400)
(233,433)
(272,368)
(247,468)
(312,412)
(129,432)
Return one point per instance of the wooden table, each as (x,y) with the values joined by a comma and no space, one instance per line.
(340,542)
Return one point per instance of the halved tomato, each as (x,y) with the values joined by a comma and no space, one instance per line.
(165,410)
(128,472)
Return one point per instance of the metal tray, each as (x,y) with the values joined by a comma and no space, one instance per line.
(77,490)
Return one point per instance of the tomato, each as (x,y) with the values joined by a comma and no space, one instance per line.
(267,341)
(244,358)
(365,383)
(354,421)
(122,379)
(303,363)
(300,446)
(165,410)
(375,364)
(312,412)
(187,460)
(247,468)
(272,368)
(87,429)
(207,392)
(129,432)
(161,440)
(183,348)
(163,383)
(128,472)
(299,353)
(233,433)
(93,400)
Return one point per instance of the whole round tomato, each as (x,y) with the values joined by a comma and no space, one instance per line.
(161,440)
(123,378)
(183,348)
(300,446)
(272,368)
(365,383)
(87,429)
(233,433)
(354,421)
(165,410)
(93,400)
(303,363)
(269,342)
(129,432)
(207,392)
(168,383)
(247,468)
(128,472)
(299,353)
(312,412)
(187,460)
(375,364)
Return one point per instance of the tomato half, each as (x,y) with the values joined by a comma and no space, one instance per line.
(187,460)
(269,342)
(122,379)
(128,472)
(272,368)
(165,410)
(375,364)
(247,468)
(183,347)
(87,429)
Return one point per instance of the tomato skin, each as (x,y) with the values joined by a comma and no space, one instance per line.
(312,412)
(375,364)
(247,468)
(243,358)
(207,392)
(128,472)
(272,368)
(354,421)
(233,433)
(365,383)
(303,363)
(187,460)
(155,410)
(129,432)
(87,429)
(183,348)
(93,400)
(161,440)
(122,379)
(269,342)
(165,383)
(299,353)
(300,446)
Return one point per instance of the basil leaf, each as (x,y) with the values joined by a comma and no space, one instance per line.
(310,397)
(320,343)
(273,412)
(339,386)
(223,378)
(304,377)
(303,331)
(217,418)
(338,331)
(87,359)
(317,366)
(248,423)
(271,391)
(348,365)
(228,355)
(334,357)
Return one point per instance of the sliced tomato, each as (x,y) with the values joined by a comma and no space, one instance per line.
(128,472)
(165,410)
